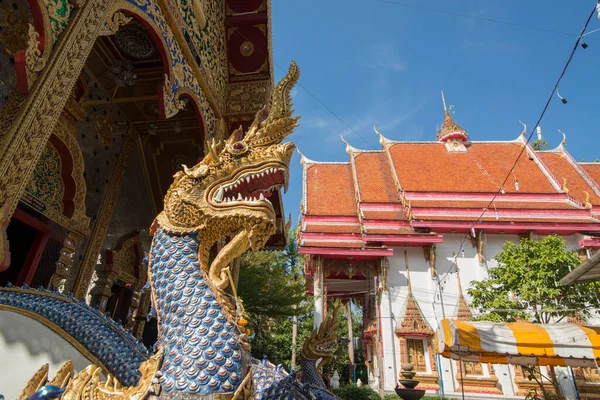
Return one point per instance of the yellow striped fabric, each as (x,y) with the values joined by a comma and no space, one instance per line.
(520,343)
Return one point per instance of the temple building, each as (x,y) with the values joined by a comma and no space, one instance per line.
(404,230)
(101,102)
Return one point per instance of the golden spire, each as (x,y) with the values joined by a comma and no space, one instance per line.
(410,293)
(464,312)
(449,127)
(413,321)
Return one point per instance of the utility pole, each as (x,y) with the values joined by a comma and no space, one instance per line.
(350,342)
(379,348)
(294,334)
(444,316)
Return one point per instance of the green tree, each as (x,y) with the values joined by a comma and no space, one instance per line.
(272,291)
(540,144)
(525,286)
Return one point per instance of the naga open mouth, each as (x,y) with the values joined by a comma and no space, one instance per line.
(325,347)
(252,187)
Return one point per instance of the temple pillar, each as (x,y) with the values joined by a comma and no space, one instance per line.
(350,342)
(100,229)
(141,316)
(25,130)
(65,261)
(318,292)
(134,308)
(101,291)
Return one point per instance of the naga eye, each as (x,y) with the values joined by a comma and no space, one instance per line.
(238,148)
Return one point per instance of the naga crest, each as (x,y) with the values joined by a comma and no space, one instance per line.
(320,343)
(231,186)
(227,193)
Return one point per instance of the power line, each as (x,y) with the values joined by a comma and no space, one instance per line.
(543,113)
(469,16)
(310,93)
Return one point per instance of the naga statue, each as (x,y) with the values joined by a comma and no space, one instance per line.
(203,347)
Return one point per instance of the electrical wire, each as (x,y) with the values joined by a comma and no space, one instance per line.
(284,70)
(469,16)
(543,113)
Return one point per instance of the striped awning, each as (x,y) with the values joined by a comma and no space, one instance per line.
(520,343)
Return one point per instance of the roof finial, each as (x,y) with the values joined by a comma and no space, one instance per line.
(382,139)
(303,159)
(444,102)
(522,135)
(563,143)
(348,147)
(407,274)
(450,129)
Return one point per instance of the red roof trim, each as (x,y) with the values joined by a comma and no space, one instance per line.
(344,252)
(508,226)
(346,237)
(593,243)
(328,218)
(503,213)
(417,240)
(541,197)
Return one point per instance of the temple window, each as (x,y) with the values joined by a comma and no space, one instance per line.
(415,349)
(472,368)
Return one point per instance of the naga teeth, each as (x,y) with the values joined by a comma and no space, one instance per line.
(219,195)
(239,196)
(261,197)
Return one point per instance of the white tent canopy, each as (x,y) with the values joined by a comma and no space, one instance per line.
(520,343)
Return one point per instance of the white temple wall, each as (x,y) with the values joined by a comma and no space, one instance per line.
(26,345)
(426,293)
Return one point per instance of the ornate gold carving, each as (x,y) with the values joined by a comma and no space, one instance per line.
(449,127)
(319,344)
(59,12)
(13,34)
(46,183)
(104,215)
(564,187)
(35,383)
(86,385)
(65,261)
(246,388)
(112,26)
(34,60)
(182,78)
(30,129)
(63,375)
(194,202)
(247,97)
(41,183)
(413,321)
(588,203)
(416,354)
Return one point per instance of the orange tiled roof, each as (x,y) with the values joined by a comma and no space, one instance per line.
(481,169)
(330,190)
(392,214)
(559,219)
(374,176)
(593,170)
(323,228)
(544,205)
(318,243)
(561,168)
(390,231)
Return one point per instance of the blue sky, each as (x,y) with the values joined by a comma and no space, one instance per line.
(372,61)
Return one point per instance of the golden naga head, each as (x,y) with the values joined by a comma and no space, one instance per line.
(321,343)
(235,180)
